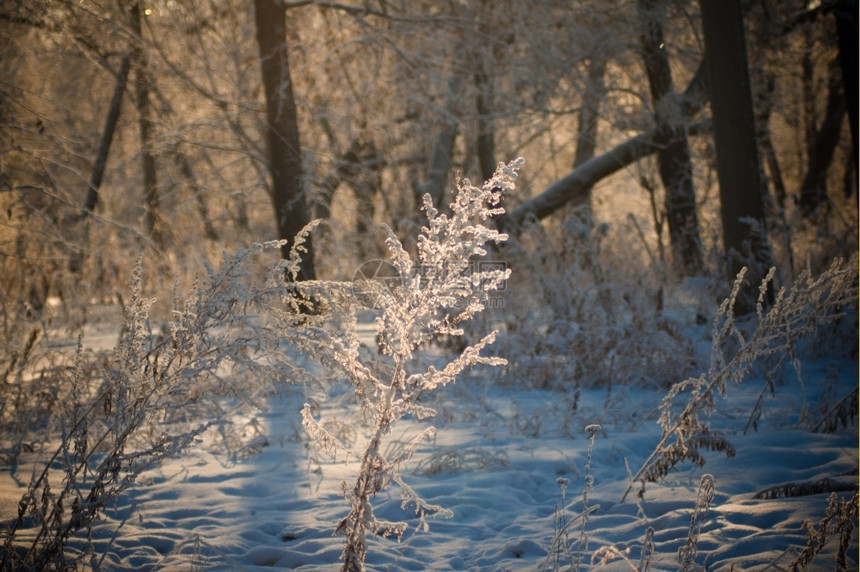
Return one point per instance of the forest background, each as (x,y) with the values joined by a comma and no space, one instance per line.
(667,145)
(152,127)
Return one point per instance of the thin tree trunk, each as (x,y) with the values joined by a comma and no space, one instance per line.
(763,111)
(808,91)
(846,30)
(485,143)
(586,143)
(281,130)
(676,170)
(813,190)
(76,259)
(586,133)
(738,168)
(764,82)
(111,121)
(144,109)
(184,165)
(443,149)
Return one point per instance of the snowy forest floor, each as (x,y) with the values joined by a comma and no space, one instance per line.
(497,462)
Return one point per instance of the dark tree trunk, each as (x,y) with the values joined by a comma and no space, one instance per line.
(813,190)
(846,29)
(484,93)
(144,109)
(443,149)
(281,130)
(111,121)
(586,132)
(763,112)
(184,165)
(808,91)
(738,168)
(484,106)
(100,163)
(676,170)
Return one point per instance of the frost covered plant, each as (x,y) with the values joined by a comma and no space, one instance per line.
(104,445)
(687,553)
(839,521)
(437,291)
(583,315)
(796,314)
(561,539)
(151,398)
(647,550)
(592,430)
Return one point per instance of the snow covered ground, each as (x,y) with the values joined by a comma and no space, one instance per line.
(497,462)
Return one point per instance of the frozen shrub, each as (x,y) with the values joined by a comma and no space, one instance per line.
(577,317)
(687,553)
(435,293)
(795,315)
(839,521)
(647,550)
(30,385)
(561,543)
(120,413)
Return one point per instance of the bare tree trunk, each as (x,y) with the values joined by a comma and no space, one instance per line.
(443,148)
(674,162)
(111,121)
(586,133)
(808,91)
(738,168)
(762,123)
(763,79)
(574,187)
(91,200)
(184,164)
(100,164)
(846,29)
(813,190)
(485,143)
(144,109)
(281,130)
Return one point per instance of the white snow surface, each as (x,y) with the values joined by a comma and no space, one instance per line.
(496,463)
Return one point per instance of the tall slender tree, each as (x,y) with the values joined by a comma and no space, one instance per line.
(821,148)
(738,167)
(673,156)
(586,130)
(146,127)
(846,14)
(282,130)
